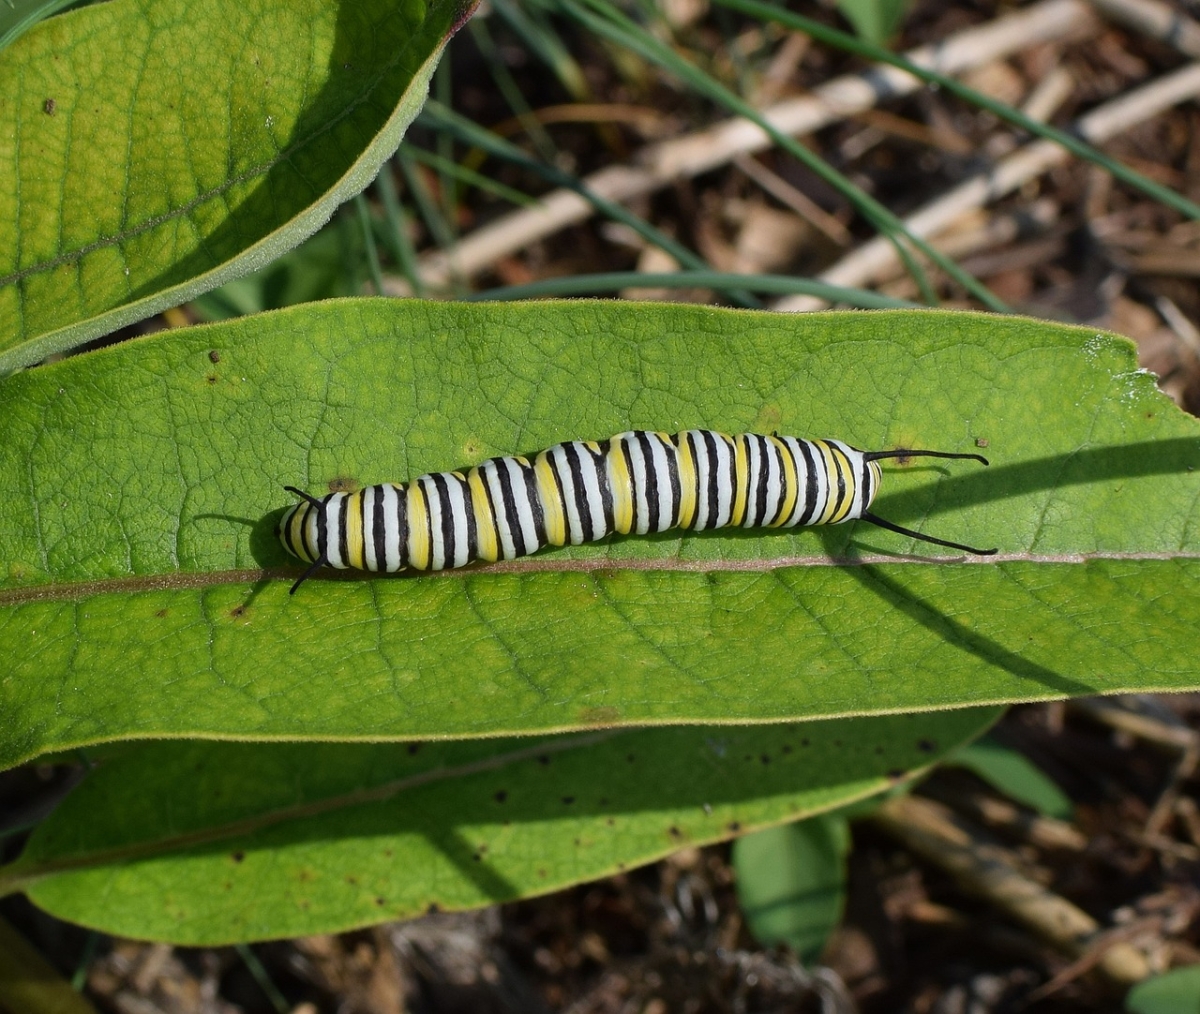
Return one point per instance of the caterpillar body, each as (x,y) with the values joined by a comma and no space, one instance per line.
(581,491)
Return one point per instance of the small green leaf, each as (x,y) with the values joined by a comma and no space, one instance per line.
(1015,775)
(791,882)
(155,150)
(146,595)
(272,840)
(1175,992)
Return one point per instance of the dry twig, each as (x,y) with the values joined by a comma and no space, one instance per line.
(660,164)
(983,867)
(864,265)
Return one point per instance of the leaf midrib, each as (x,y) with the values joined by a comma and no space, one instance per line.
(75,590)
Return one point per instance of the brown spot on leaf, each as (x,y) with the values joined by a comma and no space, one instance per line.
(214,356)
(49,106)
(343,484)
(238,856)
(500,796)
(599,716)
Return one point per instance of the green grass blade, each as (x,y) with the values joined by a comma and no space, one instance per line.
(1073,144)
(368,238)
(604,19)
(610,281)
(490,142)
(398,241)
(471,133)
(462,174)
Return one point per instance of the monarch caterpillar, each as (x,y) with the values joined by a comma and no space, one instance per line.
(581,491)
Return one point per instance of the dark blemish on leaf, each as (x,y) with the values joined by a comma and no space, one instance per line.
(927,745)
(621,866)
(161,613)
(49,106)
(237,611)
(786,748)
(878,751)
(214,356)
(433,908)
(229,885)
(543,759)
(238,856)
(604,800)
(577,842)
(804,741)
(897,774)
(380,902)
(476,857)
(542,874)
(611,821)
(568,800)
(305,904)
(748,757)
(304,875)
(734,826)
(351,879)
(630,757)
(413,748)
(500,796)
(344,484)
(765,758)
(674,832)
(211,378)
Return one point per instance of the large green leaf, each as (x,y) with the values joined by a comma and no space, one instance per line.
(214,842)
(146,595)
(156,149)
